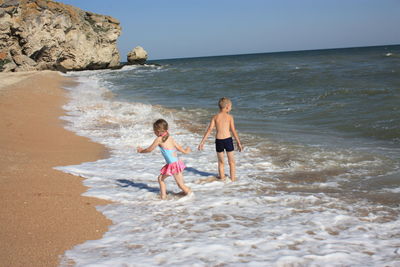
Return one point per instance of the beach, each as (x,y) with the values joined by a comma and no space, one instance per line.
(42,211)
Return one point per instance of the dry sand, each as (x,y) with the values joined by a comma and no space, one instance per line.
(42,210)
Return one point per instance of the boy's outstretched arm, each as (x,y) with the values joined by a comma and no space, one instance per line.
(211,126)
(233,130)
(155,143)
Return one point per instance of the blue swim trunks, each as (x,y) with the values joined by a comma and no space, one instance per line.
(224,144)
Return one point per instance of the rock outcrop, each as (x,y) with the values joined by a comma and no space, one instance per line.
(43,34)
(137,56)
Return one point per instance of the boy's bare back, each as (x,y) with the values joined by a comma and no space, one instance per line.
(223,122)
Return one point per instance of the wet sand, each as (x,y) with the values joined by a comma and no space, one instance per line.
(42,210)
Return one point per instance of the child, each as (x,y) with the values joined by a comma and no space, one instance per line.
(225,125)
(168,148)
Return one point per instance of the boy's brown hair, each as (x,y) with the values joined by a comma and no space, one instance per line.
(223,102)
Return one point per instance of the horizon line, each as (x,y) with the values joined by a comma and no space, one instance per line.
(275,52)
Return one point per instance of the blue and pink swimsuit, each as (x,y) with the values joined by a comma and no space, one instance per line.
(174,165)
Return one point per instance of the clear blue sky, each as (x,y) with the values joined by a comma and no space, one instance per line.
(193,28)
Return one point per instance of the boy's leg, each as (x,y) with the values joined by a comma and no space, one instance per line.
(232,166)
(221,170)
(163,187)
(179,181)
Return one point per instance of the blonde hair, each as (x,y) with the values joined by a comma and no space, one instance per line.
(161,125)
(223,102)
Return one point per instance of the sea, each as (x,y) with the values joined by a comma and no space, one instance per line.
(318,179)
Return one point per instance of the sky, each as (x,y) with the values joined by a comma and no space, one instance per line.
(194,28)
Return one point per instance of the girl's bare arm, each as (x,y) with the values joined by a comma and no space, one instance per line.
(155,143)
(180,149)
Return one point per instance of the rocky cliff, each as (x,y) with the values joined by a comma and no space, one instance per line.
(43,34)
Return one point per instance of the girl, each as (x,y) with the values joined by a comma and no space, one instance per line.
(168,148)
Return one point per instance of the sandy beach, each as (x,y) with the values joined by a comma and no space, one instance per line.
(42,210)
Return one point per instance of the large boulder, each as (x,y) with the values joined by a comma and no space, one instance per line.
(137,56)
(43,34)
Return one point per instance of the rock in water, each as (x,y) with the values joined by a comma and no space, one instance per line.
(43,34)
(137,56)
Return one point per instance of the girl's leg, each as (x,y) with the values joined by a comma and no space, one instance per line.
(232,166)
(221,170)
(179,181)
(163,187)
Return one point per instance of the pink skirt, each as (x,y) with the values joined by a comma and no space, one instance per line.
(172,168)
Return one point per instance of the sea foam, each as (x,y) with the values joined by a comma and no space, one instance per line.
(269,217)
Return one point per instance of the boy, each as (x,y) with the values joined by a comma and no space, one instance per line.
(224,124)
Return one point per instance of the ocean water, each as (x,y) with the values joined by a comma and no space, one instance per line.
(318,180)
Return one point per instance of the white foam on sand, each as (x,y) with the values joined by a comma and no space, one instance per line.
(247,223)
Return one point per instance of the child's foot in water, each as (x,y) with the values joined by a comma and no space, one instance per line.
(182,193)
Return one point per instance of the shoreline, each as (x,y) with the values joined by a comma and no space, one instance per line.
(43,210)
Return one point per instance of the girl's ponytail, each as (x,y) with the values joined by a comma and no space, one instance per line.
(165,136)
